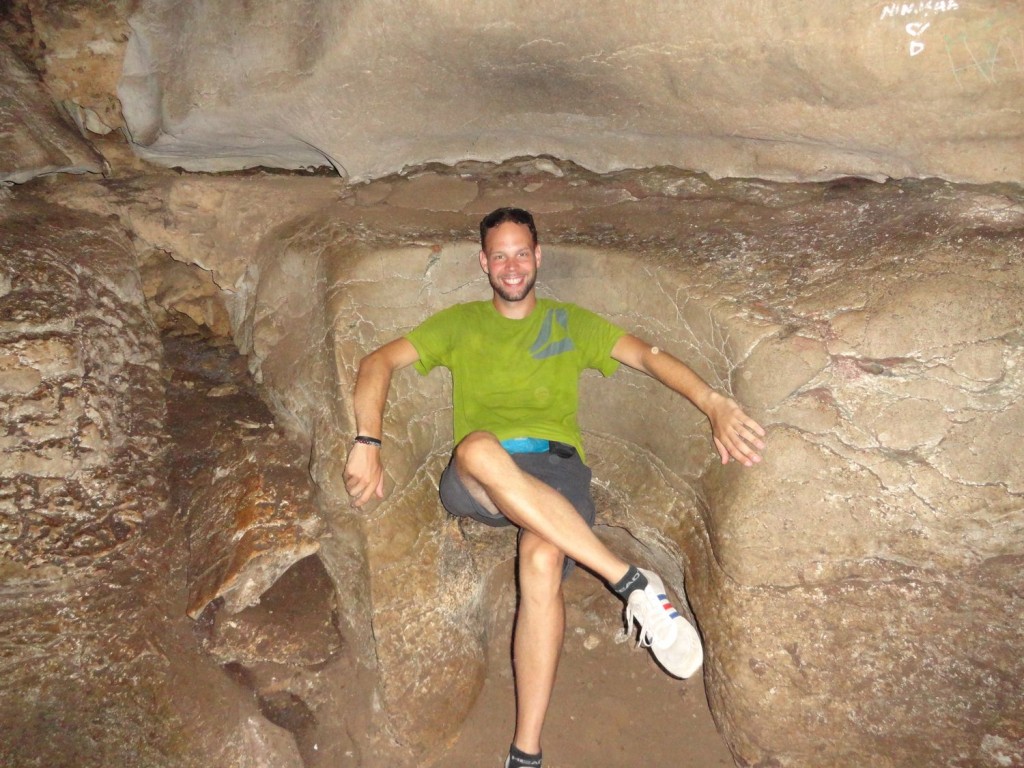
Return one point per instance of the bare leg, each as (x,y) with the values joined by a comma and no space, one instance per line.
(552,529)
(537,644)
(490,475)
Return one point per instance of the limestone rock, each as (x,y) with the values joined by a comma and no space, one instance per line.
(242,498)
(100,664)
(174,287)
(79,375)
(292,624)
(249,531)
(873,328)
(34,140)
(78,48)
(815,91)
(253,517)
(243,488)
(875,528)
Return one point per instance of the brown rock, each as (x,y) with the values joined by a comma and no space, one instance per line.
(78,376)
(34,139)
(78,47)
(292,624)
(250,526)
(858,592)
(852,545)
(100,666)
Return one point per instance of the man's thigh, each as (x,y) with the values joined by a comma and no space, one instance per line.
(567,474)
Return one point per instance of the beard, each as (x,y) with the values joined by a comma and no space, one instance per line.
(521,291)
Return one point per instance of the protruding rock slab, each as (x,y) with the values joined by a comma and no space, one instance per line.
(240,485)
(252,517)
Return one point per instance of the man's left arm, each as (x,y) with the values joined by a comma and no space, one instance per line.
(736,435)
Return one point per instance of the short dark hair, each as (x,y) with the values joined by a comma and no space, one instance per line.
(501,215)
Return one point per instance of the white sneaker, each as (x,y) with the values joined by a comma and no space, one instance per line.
(671,638)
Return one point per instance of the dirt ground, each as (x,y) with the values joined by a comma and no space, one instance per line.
(613,706)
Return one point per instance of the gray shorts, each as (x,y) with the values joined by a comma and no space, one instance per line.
(562,469)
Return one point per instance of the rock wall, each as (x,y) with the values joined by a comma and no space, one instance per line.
(857,592)
(100,665)
(77,48)
(787,90)
(35,141)
(78,365)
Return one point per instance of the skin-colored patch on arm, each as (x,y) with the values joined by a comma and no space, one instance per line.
(629,350)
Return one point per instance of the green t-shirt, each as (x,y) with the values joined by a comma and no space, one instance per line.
(516,378)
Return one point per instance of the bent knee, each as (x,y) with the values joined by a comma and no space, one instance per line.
(538,558)
(476,447)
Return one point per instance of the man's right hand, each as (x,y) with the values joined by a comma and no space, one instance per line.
(364,474)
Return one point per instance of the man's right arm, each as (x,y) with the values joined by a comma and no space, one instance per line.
(364,473)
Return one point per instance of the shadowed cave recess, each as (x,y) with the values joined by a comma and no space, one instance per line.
(209,213)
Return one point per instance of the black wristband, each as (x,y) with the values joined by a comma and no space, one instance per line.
(366,440)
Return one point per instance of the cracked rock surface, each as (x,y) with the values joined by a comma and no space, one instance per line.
(98,667)
(874,329)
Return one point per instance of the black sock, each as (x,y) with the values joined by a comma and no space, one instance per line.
(633,580)
(519,759)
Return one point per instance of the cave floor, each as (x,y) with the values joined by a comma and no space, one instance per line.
(606,690)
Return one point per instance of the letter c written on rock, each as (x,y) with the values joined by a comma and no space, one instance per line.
(916,29)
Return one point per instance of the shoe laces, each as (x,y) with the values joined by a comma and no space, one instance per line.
(656,626)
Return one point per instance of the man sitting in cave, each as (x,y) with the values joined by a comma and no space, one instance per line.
(518,459)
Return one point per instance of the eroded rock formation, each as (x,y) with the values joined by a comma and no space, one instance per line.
(851,566)
(859,593)
(99,667)
(785,91)
(873,328)
(35,142)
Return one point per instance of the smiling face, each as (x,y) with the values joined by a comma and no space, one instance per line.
(510,259)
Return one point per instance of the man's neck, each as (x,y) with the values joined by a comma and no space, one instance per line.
(515,310)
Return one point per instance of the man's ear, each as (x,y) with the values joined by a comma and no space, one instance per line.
(537,254)
(483,263)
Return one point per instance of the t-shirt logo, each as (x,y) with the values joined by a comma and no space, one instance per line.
(553,338)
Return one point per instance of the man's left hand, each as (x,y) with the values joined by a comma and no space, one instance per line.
(736,435)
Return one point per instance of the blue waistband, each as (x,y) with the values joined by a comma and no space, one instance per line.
(526,445)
